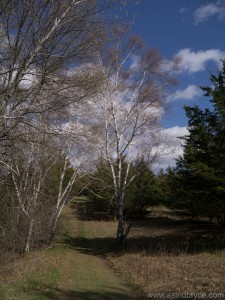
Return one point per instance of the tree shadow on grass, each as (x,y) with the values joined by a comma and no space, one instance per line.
(49,292)
(92,246)
(89,211)
(163,234)
(172,244)
(152,235)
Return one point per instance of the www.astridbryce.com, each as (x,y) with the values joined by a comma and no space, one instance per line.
(186,295)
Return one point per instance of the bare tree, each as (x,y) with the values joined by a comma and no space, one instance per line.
(65,186)
(42,42)
(124,117)
(30,163)
(42,179)
(45,52)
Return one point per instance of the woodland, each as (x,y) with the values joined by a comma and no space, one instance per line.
(81,102)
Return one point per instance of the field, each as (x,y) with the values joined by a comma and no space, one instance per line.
(165,253)
(168,253)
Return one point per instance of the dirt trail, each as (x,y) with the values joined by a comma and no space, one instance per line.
(92,277)
(73,269)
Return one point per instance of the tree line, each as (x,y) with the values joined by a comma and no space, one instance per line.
(196,185)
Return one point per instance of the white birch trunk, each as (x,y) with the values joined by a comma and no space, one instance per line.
(31,226)
(62,199)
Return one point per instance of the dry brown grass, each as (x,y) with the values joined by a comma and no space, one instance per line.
(163,273)
(165,253)
(168,253)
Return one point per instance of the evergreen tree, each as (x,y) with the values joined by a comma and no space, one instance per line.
(145,191)
(202,167)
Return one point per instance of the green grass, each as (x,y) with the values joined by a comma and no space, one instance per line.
(33,286)
(154,260)
(69,270)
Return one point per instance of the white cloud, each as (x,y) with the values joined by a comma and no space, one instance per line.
(204,12)
(190,92)
(170,159)
(176,131)
(192,62)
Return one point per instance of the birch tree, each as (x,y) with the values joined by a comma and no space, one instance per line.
(124,117)
(30,161)
(45,52)
(42,179)
(41,43)
(67,177)
(28,182)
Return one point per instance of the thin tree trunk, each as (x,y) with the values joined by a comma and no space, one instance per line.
(122,233)
(27,247)
(120,227)
(53,224)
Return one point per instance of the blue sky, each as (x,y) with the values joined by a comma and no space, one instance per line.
(194,30)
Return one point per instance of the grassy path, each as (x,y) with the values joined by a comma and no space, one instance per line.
(71,270)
